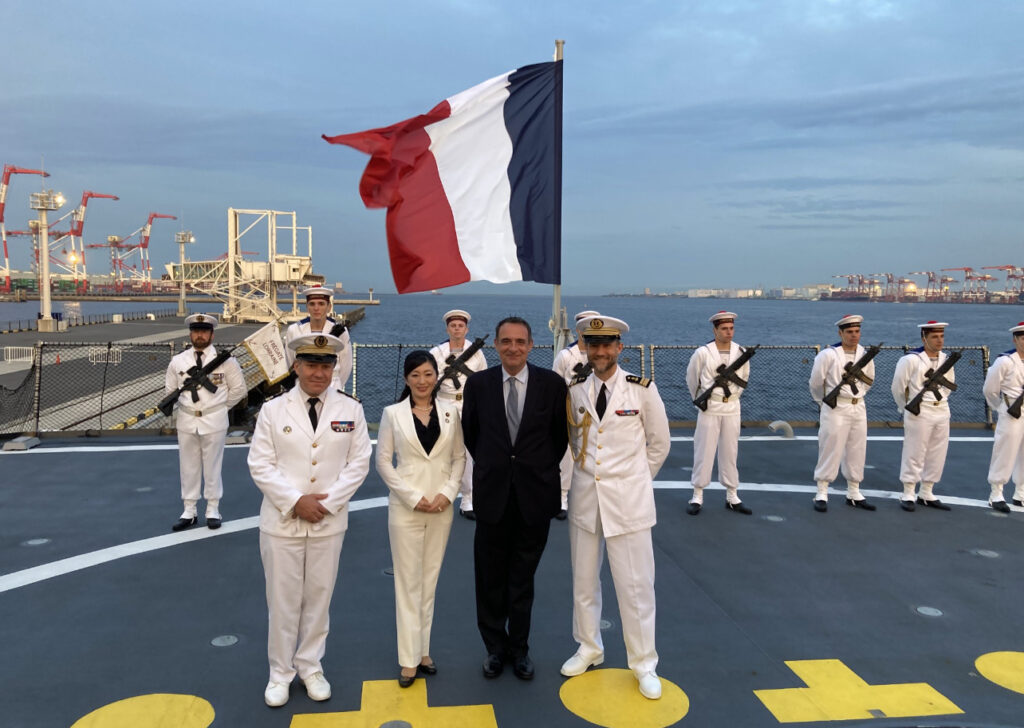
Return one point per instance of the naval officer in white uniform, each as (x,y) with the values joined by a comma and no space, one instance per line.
(309,454)
(620,436)
(1004,383)
(202,424)
(456,322)
(843,431)
(926,434)
(567,363)
(718,428)
(319,321)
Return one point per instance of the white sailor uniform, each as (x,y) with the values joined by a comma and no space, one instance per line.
(343,369)
(925,435)
(1004,382)
(287,460)
(202,426)
(843,431)
(611,507)
(565,364)
(719,426)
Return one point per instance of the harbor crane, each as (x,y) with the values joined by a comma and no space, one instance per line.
(122,251)
(71,259)
(937,285)
(1014,277)
(973,289)
(10,169)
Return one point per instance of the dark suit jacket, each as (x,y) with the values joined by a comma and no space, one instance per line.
(527,469)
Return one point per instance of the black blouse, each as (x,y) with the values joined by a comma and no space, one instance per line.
(428,433)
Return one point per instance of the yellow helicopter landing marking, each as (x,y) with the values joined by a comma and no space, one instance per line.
(610,698)
(835,692)
(384,701)
(151,711)
(1005,669)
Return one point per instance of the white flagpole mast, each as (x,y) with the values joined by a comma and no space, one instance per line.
(559,323)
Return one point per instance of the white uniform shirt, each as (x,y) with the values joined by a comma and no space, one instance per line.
(477,362)
(210,413)
(827,372)
(701,372)
(624,453)
(342,369)
(1004,380)
(909,379)
(566,361)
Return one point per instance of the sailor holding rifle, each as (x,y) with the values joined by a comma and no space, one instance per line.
(841,376)
(1004,392)
(318,306)
(453,380)
(921,386)
(204,398)
(718,411)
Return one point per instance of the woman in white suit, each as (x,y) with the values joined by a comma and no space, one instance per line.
(426,438)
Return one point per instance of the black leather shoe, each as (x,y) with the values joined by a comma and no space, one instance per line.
(907,505)
(213,523)
(403,681)
(862,503)
(738,507)
(693,508)
(1000,506)
(467,515)
(430,669)
(936,503)
(1018,502)
(184,523)
(820,506)
(562,515)
(523,667)
(493,666)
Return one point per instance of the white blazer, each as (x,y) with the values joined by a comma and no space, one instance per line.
(418,473)
(287,460)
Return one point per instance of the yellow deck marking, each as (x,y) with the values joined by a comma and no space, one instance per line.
(835,692)
(384,701)
(151,711)
(1005,669)
(610,698)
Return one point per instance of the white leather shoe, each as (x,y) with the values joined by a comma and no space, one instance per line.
(276,694)
(578,664)
(317,686)
(650,686)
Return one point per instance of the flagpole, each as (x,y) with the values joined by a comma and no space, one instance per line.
(559,323)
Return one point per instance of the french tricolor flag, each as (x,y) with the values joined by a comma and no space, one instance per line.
(473,188)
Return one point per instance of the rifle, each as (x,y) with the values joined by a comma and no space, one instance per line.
(457,365)
(196,378)
(935,378)
(1013,409)
(725,376)
(852,373)
(581,371)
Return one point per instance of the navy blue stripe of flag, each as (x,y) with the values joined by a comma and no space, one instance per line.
(533,118)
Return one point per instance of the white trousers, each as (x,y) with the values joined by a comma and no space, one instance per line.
(466,489)
(418,542)
(565,472)
(925,442)
(842,443)
(1007,447)
(631,558)
(200,458)
(300,573)
(721,433)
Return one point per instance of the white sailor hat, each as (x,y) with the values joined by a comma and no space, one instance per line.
(722,316)
(201,321)
(850,319)
(1018,329)
(602,327)
(318,291)
(457,313)
(322,348)
(929,325)
(585,314)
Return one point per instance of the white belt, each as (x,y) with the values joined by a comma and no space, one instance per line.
(457,396)
(202,413)
(851,400)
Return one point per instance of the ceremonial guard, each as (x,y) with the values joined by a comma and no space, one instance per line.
(619,436)
(309,454)
(456,322)
(921,386)
(570,363)
(1004,392)
(202,420)
(841,376)
(318,306)
(718,422)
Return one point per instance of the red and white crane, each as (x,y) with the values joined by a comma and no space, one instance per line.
(10,169)
(1014,277)
(122,251)
(71,260)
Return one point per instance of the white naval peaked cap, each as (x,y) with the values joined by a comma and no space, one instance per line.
(600,325)
(457,313)
(933,325)
(318,291)
(849,320)
(1018,329)
(201,321)
(585,314)
(316,347)
(722,316)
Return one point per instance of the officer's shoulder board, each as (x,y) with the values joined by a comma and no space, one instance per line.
(634,379)
(350,396)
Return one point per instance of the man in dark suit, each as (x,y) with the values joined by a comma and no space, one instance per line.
(513,420)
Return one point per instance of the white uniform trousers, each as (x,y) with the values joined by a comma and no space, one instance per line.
(631,558)
(200,458)
(721,433)
(300,574)
(1007,449)
(418,542)
(565,471)
(925,442)
(842,442)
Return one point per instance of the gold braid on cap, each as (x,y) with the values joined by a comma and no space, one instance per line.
(582,424)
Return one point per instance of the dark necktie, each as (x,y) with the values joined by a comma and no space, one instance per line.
(512,409)
(602,402)
(199,359)
(312,411)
